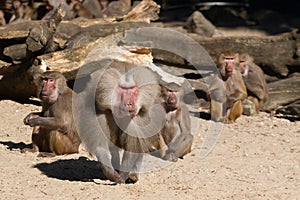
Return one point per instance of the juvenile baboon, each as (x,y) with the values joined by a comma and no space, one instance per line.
(177,128)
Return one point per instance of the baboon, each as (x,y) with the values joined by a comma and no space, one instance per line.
(234,85)
(54,131)
(128,120)
(177,128)
(254,80)
(2,18)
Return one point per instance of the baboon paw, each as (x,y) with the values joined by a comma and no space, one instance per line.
(113,176)
(46,154)
(170,157)
(132,178)
(27,150)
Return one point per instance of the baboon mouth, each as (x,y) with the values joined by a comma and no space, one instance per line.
(44,96)
(171,101)
(126,112)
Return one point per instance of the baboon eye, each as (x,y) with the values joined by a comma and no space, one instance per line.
(229,59)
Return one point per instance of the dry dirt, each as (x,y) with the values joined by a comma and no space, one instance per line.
(256,158)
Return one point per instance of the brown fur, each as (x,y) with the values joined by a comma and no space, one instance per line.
(254,80)
(81,11)
(234,86)
(177,129)
(217,96)
(2,18)
(118,128)
(54,131)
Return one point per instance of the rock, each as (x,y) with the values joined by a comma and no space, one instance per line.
(248,108)
(197,23)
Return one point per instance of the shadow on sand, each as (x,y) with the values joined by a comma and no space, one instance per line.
(81,169)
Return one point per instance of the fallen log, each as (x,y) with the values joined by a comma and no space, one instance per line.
(68,35)
(292,109)
(114,47)
(282,93)
(18,82)
(276,55)
(87,59)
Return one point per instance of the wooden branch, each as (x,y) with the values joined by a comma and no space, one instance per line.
(66,61)
(17,31)
(277,55)
(40,36)
(146,10)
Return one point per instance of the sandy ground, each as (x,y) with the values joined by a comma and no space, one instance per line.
(255,158)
